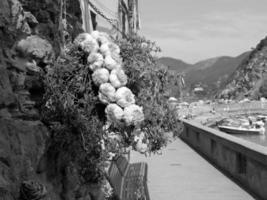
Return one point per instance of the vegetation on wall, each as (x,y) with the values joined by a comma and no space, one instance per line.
(71,111)
(149,82)
(76,116)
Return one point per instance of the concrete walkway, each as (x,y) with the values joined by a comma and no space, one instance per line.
(181,174)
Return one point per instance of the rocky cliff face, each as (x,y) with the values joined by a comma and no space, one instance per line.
(28,47)
(248,79)
(47,14)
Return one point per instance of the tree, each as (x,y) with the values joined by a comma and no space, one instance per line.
(263,88)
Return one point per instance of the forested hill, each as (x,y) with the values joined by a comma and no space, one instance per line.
(174,64)
(210,73)
(216,73)
(249,80)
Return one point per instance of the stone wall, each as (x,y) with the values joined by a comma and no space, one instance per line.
(244,161)
(28,47)
(47,14)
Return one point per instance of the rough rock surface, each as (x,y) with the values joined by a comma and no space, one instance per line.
(249,78)
(36,48)
(13,23)
(22,145)
(47,14)
(7,96)
(25,164)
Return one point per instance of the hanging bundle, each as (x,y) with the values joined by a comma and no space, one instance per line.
(109,76)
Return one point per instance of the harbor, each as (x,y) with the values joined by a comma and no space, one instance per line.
(214,114)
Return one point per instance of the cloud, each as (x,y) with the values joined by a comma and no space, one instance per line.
(218,25)
(221,33)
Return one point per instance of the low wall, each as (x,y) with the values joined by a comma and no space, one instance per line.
(244,161)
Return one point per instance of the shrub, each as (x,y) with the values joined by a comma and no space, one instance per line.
(76,116)
(263,88)
(149,82)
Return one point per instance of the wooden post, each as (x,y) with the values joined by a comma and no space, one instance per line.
(120,15)
(124,23)
(88,20)
(123,13)
(61,28)
(86,16)
(181,85)
(131,24)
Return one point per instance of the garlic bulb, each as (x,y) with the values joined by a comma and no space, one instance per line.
(110,63)
(95,66)
(103,38)
(95,57)
(90,46)
(95,34)
(124,97)
(114,48)
(118,78)
(111,49)
(116,57)
(106,93)
(115,136)
(103,98)
(86,42)
(95,60)
(104,49)
(100,76)
(133,115)
(114,113)
(141,145)
(81,38)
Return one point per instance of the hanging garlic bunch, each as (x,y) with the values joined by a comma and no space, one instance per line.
(106,64)
(141,143)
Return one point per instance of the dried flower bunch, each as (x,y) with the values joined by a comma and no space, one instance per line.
(102,97)
(107,73)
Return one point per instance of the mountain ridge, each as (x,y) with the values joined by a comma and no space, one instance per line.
(174,64)
(210,73)
(250,78)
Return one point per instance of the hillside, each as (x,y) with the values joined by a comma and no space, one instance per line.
(173,64)
(210,73)
(249,80)
(213,73)
(206,63)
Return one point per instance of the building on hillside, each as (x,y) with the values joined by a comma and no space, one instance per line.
(117,17)
(198,89)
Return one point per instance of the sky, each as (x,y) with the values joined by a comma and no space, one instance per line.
(193,30)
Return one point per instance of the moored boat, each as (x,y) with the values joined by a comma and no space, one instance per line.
(242,130)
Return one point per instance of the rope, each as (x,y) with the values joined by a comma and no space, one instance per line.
(98,11)
(109,11)
(113,22)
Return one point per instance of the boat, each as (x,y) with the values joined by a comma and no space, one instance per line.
(242,130)
(249,125)
(262,118)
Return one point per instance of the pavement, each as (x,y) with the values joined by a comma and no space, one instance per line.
(179,173)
